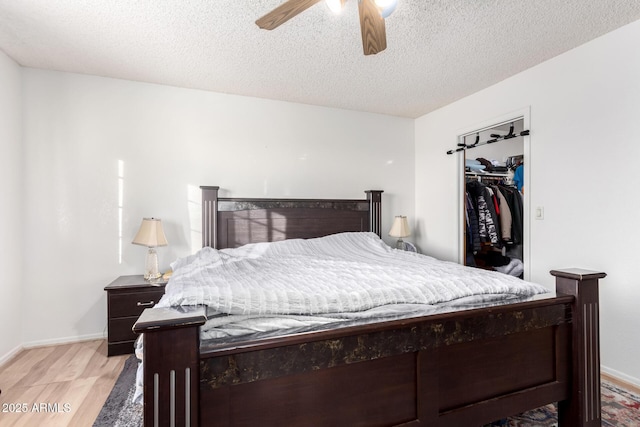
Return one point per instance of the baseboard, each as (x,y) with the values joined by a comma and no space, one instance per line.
(65,340)
(10,355)
(617,375)
(43,343)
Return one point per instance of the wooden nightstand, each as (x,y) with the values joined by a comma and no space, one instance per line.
(127,297)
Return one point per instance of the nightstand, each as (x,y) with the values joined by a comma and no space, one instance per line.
(127,297)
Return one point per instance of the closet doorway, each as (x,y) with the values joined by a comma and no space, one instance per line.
(494,221)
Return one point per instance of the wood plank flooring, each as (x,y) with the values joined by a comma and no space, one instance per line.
(62,385)
(622,384)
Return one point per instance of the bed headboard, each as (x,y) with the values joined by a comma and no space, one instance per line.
(233,222)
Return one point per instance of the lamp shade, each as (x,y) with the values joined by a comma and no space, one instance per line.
(400,227)
(150,234)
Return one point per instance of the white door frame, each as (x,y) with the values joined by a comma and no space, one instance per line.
(525,114)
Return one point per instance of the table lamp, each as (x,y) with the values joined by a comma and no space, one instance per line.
(151,235)
(400,229)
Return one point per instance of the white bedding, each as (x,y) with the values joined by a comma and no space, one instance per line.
(298,284)
(341,273)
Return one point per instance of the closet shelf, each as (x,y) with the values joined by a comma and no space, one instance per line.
(496,174)
(486,175)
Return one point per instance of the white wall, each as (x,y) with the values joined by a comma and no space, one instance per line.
(10,207)
(585,139)
(78,129)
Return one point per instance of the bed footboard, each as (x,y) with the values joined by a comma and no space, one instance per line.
(171,365)
(464,369)
(583,406)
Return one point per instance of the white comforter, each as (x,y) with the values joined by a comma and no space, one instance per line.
(334,279)
(342,273)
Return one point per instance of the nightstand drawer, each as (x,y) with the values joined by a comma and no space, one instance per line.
(127,297)
(132,304)
(120,329)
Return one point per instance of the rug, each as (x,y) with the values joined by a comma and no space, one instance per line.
(119,409)
(620,408)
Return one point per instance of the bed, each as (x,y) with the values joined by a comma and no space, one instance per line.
(450,368)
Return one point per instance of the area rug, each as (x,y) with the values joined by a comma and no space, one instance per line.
(620,408)
(119,409)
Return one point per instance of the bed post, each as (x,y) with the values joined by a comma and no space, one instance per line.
(210,216)
(375,211)
(171,358)
(583,406)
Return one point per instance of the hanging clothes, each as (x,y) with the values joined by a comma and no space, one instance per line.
(506,220)
(473,234)
(483,203)
(494,215)
(518,177)
(514,200)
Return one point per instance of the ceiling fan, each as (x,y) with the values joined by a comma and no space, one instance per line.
(372,15)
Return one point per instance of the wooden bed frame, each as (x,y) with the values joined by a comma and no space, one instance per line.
(461,368)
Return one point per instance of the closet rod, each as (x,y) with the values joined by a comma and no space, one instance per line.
(495,138)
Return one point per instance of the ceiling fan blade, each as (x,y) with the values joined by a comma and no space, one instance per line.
(284,12)
(374,36)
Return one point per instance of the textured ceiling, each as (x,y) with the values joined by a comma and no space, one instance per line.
(438,50)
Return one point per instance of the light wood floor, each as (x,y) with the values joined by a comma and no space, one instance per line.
(79,375)
(74,379)
(622,384)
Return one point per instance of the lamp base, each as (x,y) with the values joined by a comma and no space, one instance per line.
(400,245)
(151,271)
